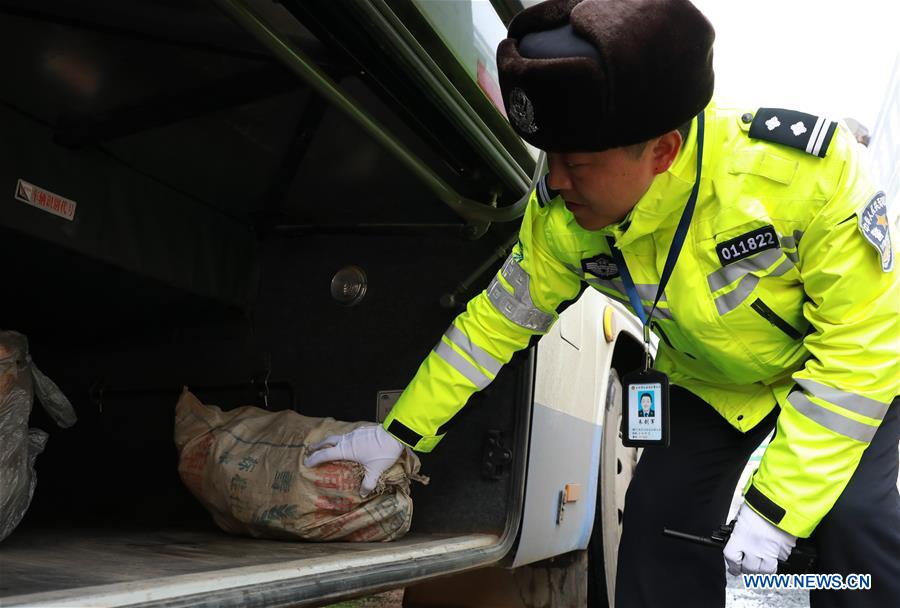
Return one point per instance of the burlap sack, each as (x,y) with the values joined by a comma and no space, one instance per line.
(246,467)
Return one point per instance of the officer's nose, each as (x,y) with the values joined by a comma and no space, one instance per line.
(559,174)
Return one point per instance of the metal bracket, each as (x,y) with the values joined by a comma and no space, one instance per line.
(458,297)
(384,402)
(496,456)
(560,507)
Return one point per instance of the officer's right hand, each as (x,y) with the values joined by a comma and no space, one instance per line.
(756,545)
(371,446)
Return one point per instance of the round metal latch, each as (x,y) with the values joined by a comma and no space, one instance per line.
(348,287)
(747,118)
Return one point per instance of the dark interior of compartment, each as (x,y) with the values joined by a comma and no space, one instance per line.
(185,146)
(118,463)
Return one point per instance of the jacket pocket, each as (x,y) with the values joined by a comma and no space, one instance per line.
(772,317)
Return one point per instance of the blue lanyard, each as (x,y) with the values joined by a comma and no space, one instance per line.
(671,258)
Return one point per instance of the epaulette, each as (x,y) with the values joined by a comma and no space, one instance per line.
(799,130)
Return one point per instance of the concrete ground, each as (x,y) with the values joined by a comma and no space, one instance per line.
(738,597)
(390,599)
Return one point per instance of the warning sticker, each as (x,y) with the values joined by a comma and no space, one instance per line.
(45,200)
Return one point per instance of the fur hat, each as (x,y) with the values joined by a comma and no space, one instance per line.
(589,75)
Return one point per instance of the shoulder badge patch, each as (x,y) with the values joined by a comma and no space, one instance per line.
(601,266)
(875,226)
(806,132)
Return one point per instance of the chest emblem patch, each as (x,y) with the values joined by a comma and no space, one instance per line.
(745,245)
(601,266)
(875,226)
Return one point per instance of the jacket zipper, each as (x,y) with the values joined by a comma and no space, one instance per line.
(655,325)
(662,334)
(769,315)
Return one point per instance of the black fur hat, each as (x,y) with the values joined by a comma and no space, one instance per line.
(589,75)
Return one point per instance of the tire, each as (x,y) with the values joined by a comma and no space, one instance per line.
(616,470)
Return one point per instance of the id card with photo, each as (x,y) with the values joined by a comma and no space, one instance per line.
(645,412)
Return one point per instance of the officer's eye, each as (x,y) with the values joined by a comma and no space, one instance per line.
(576,162)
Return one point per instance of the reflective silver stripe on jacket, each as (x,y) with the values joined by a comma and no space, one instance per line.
(518,306)
(478,354)
(646,291)
(791,242)
(459,363)
(849,401)
(731,300)
(831,420)
(729,274)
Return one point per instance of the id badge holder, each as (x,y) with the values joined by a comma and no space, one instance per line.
(645,409)
(645,394)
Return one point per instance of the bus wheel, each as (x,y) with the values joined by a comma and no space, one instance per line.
(616,470)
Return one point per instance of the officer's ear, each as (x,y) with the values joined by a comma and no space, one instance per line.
(663,150)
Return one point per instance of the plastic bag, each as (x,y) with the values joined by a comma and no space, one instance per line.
(19,445)
(246,467)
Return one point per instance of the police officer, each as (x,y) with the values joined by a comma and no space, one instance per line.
(781,310)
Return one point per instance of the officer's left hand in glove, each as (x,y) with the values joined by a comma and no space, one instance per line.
(371,446)
(756,545)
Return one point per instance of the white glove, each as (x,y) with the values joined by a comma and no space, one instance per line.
(371,446)
(756,545)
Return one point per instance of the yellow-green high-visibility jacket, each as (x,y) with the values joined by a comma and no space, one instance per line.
(783,293)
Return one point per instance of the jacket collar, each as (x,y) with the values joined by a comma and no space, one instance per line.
(664,202)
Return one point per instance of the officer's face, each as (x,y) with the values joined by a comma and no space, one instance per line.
(600,188)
